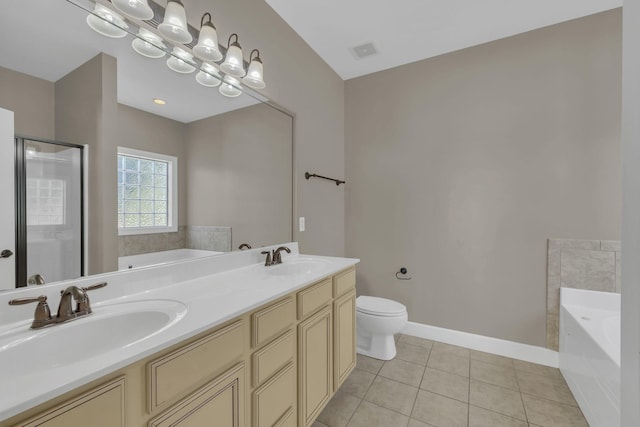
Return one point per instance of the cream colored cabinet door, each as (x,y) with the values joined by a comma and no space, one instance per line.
(315,364)
(102,406)
(219,403)
(344,337)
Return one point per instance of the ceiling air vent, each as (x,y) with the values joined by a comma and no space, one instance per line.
(363,50)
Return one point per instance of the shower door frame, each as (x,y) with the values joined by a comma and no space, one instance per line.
(21,204)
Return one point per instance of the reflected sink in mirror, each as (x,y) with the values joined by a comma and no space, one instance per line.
(109,327)
(298,266)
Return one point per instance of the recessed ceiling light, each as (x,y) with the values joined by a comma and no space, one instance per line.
(364,50)
(159,101)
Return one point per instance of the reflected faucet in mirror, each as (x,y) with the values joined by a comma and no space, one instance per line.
(244,246)
(36,279)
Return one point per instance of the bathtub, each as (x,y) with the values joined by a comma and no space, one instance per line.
(590,352)
(156,258)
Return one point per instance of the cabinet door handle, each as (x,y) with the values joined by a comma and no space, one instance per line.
(6,253)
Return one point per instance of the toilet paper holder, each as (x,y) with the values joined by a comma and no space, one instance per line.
(402,271)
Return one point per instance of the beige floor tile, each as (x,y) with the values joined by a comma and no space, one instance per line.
(440,411)
(503,376)
(339,410)
(404,372)
(545,413)
(357,383)
(318,424)
(446,384)
(370,415)
(392,395)
(412,353)
(493,359)
(534,368)
(369,364)
(420,342)
(450,350)
(416,423)
(444,362)
(498,399)
(479,417)
(546,387)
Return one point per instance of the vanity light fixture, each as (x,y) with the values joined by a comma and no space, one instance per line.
(106,22)
(159,101)
(137,9)
(207,47)
(208,76)
(174,26)
(233,62)
(254,78)
(148,44)
(230,87)
(181,61)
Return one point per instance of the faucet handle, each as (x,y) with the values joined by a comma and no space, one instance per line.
(42,315)
(267,262)
(84,305)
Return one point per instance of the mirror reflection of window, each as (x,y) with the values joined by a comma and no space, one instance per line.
(145,189)
(45,201)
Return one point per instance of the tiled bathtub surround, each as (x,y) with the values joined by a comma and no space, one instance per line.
(580,264)
(208,238)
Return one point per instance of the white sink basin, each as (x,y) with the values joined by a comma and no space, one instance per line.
(297,266)
(108,328)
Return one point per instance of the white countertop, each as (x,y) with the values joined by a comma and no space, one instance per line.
(214,290)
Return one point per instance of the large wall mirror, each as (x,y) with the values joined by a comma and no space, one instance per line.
(203,173)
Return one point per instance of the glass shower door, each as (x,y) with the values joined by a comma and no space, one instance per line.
(52,216)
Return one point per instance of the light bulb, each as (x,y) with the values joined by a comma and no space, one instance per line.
(174,26)
(137,9)
(233,62)
(148,44)
(207,47)
(106,22)
(181,61)
(229,87)
(208,76)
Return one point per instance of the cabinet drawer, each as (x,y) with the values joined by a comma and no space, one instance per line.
(219,403)
(272,357)
(271,321)
(344,282)
(276,397)
(102,406)
(174,374)
(314,297)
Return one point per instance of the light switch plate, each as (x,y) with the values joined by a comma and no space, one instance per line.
(301,225)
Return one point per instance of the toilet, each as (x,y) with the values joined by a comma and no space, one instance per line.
(377,320)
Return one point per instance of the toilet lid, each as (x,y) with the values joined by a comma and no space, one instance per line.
(379,306)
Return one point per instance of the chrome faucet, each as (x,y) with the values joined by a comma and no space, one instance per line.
(277,258)
(42,316)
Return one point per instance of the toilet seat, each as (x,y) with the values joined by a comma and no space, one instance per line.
(375,306)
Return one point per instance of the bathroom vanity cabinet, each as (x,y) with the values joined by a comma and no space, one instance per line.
(276,366)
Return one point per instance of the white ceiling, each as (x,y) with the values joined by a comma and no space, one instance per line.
(48,39)
(405,31)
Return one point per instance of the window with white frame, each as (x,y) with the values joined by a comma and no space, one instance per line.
(147,192)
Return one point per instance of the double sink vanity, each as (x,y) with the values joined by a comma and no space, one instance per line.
(223,341)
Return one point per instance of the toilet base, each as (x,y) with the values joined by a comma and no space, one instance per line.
(381,347)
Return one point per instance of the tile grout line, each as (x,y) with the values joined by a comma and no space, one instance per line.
(524,408)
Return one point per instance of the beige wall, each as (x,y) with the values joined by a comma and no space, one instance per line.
(239,174)
(300,81)
(86,113)
(630,354)
(461,166)
(32,100)
(140,130)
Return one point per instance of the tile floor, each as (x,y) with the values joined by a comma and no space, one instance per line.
(440,385)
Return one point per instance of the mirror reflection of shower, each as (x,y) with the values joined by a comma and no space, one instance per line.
(49,196)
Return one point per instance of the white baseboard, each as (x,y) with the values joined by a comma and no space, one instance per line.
(515,350)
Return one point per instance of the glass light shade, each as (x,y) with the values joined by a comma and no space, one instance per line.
(148,44)
(230,87)
(254,78)
(207,47)
(232,64)
(137,9)
(208,76)
(107,23)
(181,61)
(174,26)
